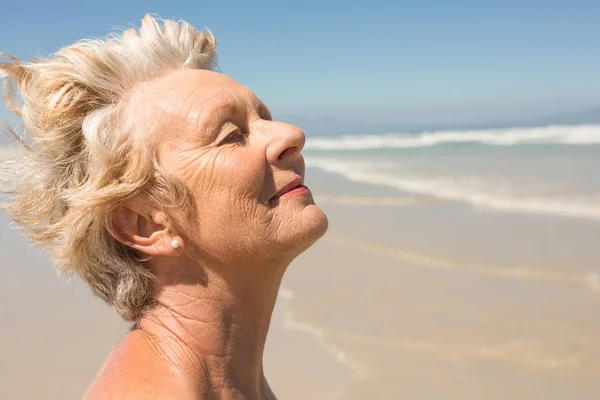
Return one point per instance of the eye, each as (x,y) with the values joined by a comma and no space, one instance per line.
(236,136)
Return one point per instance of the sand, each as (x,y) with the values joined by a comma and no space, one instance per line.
(405,297)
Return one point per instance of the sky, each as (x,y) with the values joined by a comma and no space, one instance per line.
(366,66)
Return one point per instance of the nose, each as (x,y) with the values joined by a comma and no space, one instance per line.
(287,142)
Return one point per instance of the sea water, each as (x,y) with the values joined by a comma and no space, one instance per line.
(552,170)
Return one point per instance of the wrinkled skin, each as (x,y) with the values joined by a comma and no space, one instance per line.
(205,338)
(235,159)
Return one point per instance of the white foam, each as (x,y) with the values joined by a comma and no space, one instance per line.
(567,134)
(452,189)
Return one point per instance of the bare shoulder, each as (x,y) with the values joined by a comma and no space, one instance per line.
(132,372)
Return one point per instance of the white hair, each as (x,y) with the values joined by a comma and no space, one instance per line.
(82,156)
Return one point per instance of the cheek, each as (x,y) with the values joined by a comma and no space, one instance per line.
(228,184)
(240,173)
(229,193)
(221,172)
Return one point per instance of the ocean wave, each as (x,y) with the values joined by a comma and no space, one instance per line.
(566,135)
(455,190)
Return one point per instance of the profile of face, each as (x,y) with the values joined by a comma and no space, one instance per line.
(244,170)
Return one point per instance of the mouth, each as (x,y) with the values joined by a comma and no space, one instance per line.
(294,187)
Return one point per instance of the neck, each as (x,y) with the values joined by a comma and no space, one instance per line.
(211,329)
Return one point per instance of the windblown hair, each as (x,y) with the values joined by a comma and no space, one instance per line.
(83,157)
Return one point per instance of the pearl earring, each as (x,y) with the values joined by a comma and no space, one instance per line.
(175,243)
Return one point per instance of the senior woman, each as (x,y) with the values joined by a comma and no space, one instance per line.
(168,188)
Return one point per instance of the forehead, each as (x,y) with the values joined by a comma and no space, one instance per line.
(189,98)
(201,89)
(202,84)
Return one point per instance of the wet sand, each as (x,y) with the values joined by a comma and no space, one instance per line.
(428,299)
(405,297)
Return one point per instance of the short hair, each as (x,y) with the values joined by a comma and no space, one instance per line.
(81,158)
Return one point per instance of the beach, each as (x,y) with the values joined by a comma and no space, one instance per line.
(429,299)
(412,293)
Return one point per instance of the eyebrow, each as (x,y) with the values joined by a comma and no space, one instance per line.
(233,107)
(262,107)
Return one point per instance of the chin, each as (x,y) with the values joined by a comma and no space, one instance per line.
(320,222)
(313,226)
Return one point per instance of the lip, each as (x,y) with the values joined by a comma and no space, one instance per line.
(294,184)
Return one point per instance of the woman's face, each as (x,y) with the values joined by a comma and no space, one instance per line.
(245,170)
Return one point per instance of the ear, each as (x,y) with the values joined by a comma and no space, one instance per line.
(144,232)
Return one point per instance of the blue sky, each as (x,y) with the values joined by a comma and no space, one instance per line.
(367,65)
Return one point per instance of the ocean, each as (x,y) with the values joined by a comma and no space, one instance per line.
(549,170)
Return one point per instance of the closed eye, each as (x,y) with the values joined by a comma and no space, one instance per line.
(234,137)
